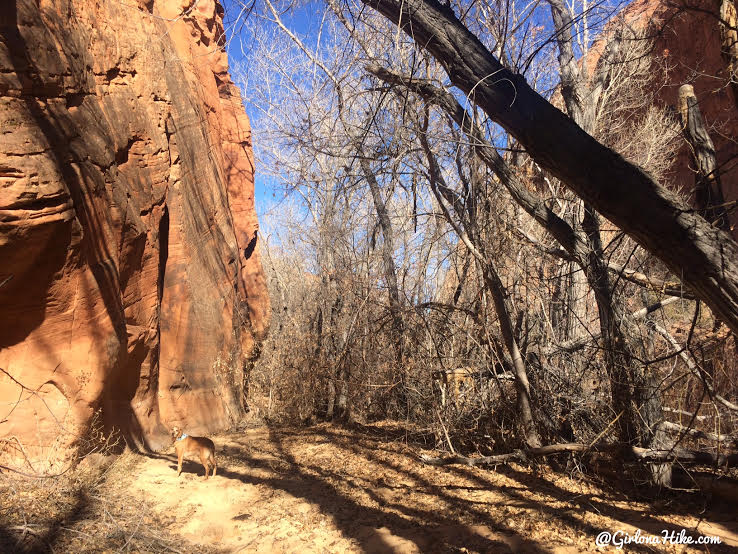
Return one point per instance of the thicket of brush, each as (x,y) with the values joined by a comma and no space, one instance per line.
(423,267)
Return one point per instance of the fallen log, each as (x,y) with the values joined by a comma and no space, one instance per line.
(697,433)
(645,455)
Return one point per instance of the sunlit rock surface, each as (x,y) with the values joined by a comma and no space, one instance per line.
(131,291)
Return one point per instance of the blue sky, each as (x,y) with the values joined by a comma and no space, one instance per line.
(304,21)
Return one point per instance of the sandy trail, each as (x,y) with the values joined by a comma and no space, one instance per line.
(328,489)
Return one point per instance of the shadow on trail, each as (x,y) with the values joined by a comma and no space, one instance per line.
(436,530)
(678,503)
(378,494)
(42,536)
(454,522)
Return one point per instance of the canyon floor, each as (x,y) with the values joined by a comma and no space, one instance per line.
(331,489)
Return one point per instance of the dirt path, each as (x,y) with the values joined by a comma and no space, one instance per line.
(327,489)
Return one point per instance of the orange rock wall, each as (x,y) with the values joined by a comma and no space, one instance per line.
(130,281)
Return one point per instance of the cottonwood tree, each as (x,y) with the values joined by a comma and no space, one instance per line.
(635,395)
(403,163)
(327,140)
(635,398)
(588,253)
(705,258)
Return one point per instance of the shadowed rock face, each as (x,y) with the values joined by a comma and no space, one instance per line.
(127,224)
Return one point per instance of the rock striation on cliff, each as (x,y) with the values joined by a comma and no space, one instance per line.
(131,291)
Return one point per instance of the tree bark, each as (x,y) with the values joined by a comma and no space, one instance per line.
(729,40)
(705,257)
(388,253)
(708,189)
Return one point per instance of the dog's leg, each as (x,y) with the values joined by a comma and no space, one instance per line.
(179,463)
(204,462)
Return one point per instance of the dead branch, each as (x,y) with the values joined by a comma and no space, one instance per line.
(696,433)
(652,283)
(692,366)
(690,415)
(579,343)
(645,455)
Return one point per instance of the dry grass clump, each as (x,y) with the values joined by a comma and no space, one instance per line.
(88,509)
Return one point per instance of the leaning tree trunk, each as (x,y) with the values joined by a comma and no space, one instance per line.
(493,284)
(390,275)
(388,253)
(522,385)
(704,257)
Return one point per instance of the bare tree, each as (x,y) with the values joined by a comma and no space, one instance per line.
(423,266)
(705,258)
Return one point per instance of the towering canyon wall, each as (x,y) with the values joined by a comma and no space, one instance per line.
(131,291)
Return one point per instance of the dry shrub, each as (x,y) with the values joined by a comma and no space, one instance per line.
(88,509)
(85,508)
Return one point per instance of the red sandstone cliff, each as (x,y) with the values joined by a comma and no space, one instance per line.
(130,284)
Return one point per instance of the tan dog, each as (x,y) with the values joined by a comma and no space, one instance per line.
(186,445)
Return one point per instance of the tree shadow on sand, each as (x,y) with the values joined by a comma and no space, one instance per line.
(455,522)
